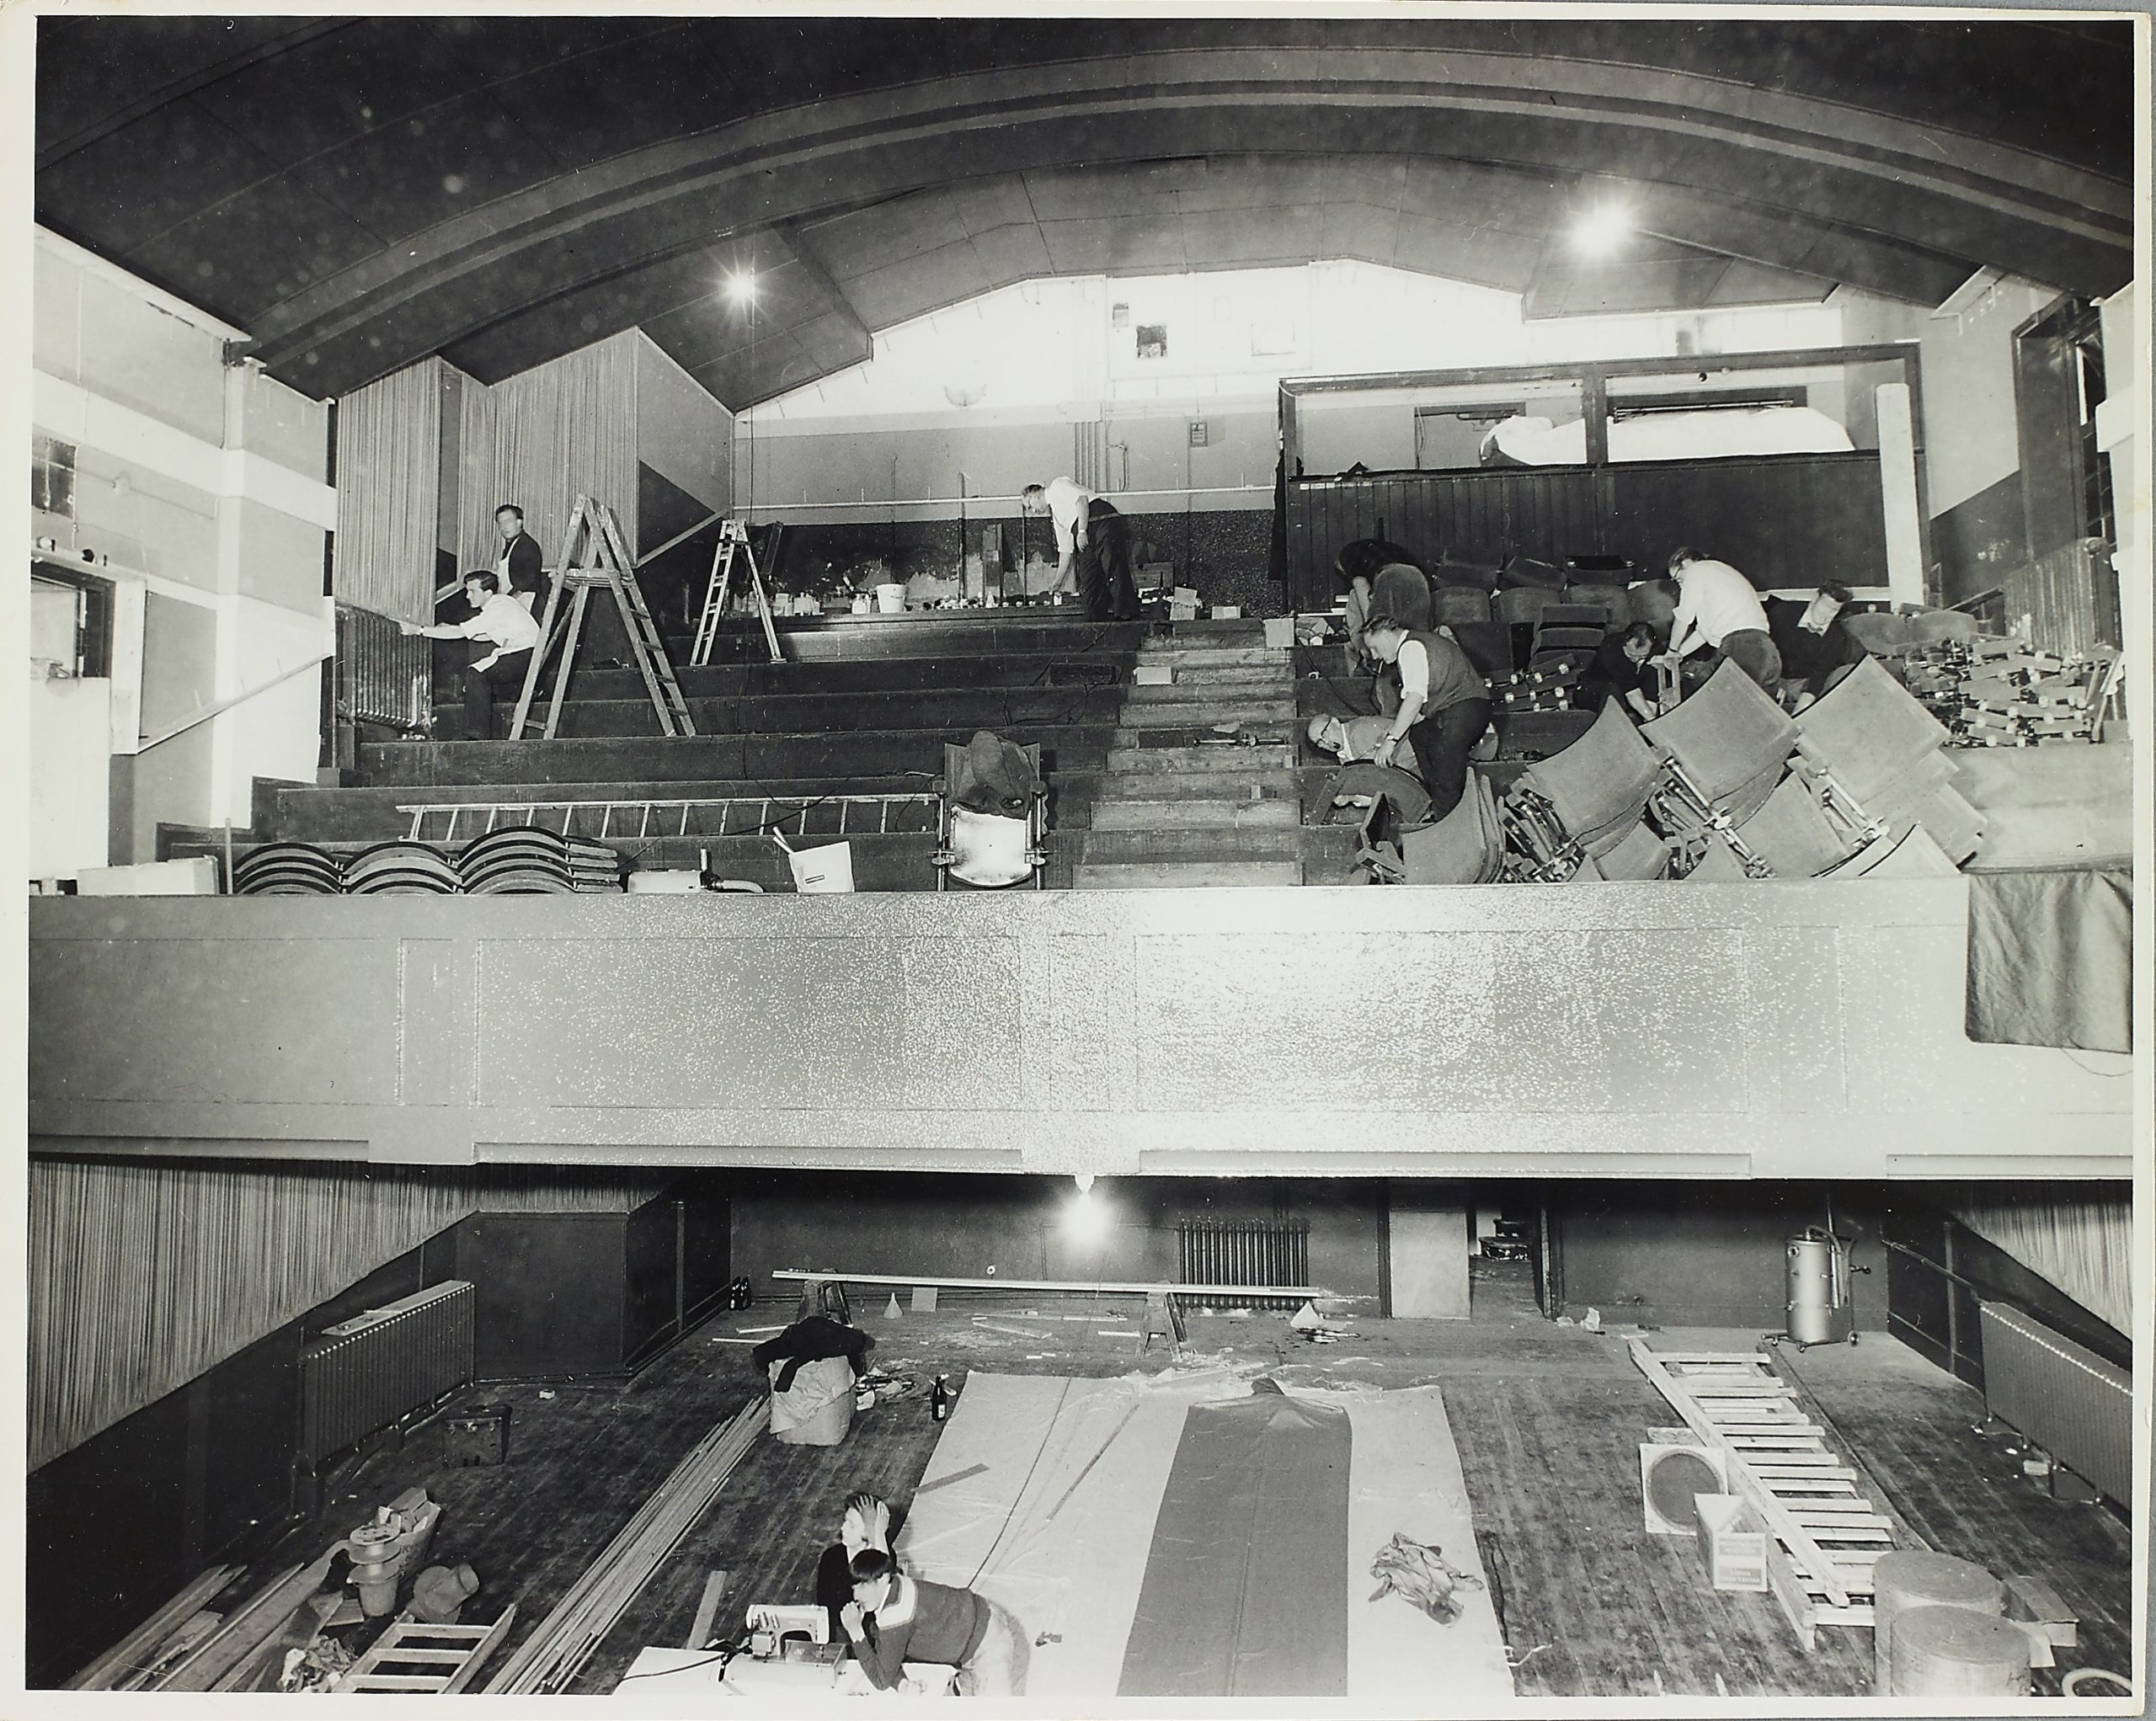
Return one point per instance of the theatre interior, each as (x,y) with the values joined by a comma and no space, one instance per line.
(1460,693)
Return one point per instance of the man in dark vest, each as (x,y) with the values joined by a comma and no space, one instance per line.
(1444,705)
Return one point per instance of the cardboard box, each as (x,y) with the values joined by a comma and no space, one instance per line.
(1280,631)
(1153,676)
(1733,1541)
(1227,612)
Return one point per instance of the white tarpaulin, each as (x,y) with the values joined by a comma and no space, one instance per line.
(1043,1494)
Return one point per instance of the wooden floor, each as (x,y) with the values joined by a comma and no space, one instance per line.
(1548,1420)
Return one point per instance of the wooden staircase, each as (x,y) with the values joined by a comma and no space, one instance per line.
(1183,803)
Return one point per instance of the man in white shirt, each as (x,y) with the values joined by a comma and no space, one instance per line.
(1718,606)
(1092,541)
(502,623)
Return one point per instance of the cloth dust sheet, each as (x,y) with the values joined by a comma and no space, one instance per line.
(1185,1535)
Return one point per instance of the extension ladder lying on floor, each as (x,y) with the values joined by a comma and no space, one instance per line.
(1823,1534)
(421,1659)
(637,816)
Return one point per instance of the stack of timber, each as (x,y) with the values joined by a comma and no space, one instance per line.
(552,1655)
(1823,1536)
(129,1665)
(237,1653)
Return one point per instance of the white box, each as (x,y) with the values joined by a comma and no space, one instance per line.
(194,876)
(1153,676)
(1227,612)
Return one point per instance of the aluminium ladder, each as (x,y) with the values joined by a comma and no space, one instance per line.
(734,547)
(637,814)
(1823,1536)
(612,568)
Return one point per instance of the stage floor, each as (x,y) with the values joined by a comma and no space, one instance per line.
(1546,1421)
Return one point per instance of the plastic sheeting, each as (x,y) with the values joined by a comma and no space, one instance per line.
(2051,957)
(1044,1494)
(1703,435)
(1245,1591)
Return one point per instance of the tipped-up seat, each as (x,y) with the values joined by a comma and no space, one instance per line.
(1600,784)
(1732,741)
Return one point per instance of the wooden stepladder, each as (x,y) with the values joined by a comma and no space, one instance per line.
(1823,1534)
(595,538)
(425,1661)
(734,549)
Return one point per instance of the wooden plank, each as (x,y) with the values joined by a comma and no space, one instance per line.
(398,1682)
(706,1612)
(1080,1286)
(1788,1591)
(412,1652)
(247,1628)
(135,1651)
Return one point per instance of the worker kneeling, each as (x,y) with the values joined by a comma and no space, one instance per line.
(893,1619)
(1444,707)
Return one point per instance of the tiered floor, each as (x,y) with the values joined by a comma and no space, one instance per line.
(1548,1421)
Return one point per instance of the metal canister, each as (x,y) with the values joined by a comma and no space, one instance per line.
(1818,1288)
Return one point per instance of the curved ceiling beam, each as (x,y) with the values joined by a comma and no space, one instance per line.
(1810,160)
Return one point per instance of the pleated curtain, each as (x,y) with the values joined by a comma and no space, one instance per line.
(539,440)
(2081,1241)
(388,493)
(144,1274)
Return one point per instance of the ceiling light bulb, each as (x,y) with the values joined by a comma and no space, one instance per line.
(1084,1179)
(741,287)
(1602,230)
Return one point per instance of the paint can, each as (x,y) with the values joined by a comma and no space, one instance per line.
(1910,1578)
(1941,1652)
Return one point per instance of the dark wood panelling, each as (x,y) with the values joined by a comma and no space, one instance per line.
(549,1290)
(1977,540)
(1786,519)
(104,1538)
(651,1240)
(248,1410)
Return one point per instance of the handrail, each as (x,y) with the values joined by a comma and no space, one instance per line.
(202,714)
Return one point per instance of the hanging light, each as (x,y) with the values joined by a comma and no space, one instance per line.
(1602,230)
(741,287)
(1085,1218)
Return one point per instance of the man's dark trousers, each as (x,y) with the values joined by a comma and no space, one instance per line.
(506,673)
(1104,566)
(1442,743)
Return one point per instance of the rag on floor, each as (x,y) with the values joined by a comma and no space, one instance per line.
(806,1342)
(1419,1573)
(993,775)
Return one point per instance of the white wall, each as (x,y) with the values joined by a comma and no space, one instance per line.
(993,389)
(202,486)
(1970,433)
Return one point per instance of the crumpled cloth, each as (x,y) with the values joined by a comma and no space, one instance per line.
(1417,1573)
(993,775)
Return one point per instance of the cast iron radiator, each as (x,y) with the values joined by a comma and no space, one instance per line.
(364,1373)
(2069,599)
(383,677)
(1241,1252)
(2064,1396)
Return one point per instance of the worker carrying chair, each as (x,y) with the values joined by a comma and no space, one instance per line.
(991,826)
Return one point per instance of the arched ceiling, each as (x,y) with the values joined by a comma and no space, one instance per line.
(360,193)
